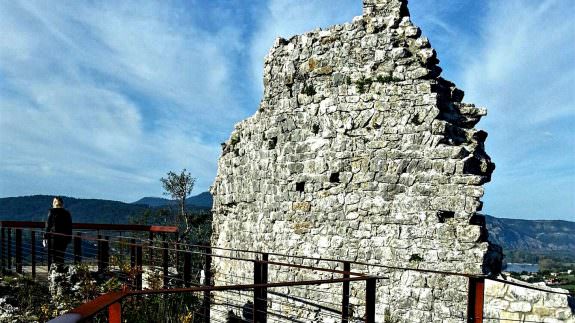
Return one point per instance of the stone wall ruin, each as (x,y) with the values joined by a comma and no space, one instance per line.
(359,151)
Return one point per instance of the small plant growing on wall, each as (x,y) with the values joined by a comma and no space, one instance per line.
(388,318)
(415,258)
(362,84)
(386,79)
(234,139)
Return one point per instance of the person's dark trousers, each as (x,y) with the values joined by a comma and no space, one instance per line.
(59,245)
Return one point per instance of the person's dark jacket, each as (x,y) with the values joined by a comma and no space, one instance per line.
(59,221)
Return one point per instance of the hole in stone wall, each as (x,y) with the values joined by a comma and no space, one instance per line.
(299,186)
(315,129)
(417,119)
(444,215)
(272,143)
(477,219)
(334,178)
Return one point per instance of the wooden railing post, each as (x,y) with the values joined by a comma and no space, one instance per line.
(475,300)
(78,248)
(370,288)
(207,282)
(19,250)
(33,251)
(345,294)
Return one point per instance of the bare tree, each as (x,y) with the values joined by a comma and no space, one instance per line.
(179,187)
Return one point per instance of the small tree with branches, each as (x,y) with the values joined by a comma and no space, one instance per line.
(179,187)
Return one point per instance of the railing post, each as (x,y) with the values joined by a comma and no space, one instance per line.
(78,248)
(103,253)
(106,252)
(19,250)
(165,247)
(370,288)
(139,267)
(345,294)
(50,251)
(151,248)
(100,257)
(132,253)
(177,248)
(9,249)
(33,251)
(115,313)
(260,293)
(207,282)
(3,250)
(264,292)
(187,268)
(475,300)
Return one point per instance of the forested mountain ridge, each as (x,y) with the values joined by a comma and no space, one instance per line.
(202,200)
(35,208)
(536,235)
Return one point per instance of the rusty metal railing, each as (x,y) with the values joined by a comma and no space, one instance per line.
(15,229)
(259,286)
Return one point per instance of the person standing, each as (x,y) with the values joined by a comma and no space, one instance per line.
(58,230)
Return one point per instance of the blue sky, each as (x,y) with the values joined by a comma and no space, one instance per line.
(99,99)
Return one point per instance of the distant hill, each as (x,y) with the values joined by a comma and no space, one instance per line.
(532,241)
(536,235)
(35,208)
(202,200)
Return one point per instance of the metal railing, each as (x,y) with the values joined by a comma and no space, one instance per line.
(83,232)
(181,263)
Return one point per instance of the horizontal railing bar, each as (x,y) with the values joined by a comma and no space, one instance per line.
(252,286)
(333,271)
(89,309)
(94,226)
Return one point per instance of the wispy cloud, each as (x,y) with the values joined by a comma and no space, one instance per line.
(111,95)
(523,72)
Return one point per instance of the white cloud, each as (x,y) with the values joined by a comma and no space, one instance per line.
(523,73)
(108,95)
